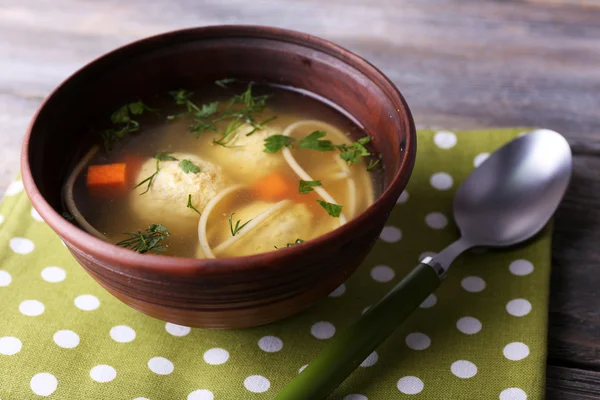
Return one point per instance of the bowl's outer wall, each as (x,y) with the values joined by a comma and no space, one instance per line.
(224,293)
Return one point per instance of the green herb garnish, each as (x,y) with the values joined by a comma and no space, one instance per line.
(187,166)
(332,209)
(164,156)
(68,216)
(261,124)
(124,122)
(307,186)
(160,156)
(207,110)
(274,143)
(146,241)
(297,241)
(224,82)
(352,153)
(372,164)
(235,229)
(313,141)
(190,205)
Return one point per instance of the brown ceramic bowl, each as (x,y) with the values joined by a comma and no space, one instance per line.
(227,292)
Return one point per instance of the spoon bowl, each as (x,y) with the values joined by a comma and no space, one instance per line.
(512,195)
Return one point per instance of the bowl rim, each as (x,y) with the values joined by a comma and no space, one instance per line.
(115,255)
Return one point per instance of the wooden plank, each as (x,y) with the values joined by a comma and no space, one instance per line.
(572,384)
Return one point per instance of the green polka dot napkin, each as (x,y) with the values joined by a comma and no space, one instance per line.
(482,335)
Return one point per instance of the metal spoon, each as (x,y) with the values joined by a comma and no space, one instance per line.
(507,200)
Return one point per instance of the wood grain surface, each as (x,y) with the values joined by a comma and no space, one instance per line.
(460,64)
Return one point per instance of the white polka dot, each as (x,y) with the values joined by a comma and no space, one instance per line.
(103,373)
(518,307)
(340,290)
(444,139)
(270,344)
(513,394)
(201,394)
(53,274)
(14,188)
(463,369)
(468,325)
(322,330)
(21,245)
(31,308)
(141,398)
(436,220)
(216,356)
(480,158)
(302,368)
(177,330)
(355,397)
(403,198)
(473,284)
(35,215)
(441,181)
(66,339)
(516,351)
(410,385)
(1,219)
(5,278)
(418,341)
(160,366)
(257,384)
(122,333)
(43,384)
(87,302)
(10,345)
(382,273)
(426,254)
(521,267)
(390,234)
(370,360)
(429,301)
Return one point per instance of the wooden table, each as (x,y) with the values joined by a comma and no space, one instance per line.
(460,64)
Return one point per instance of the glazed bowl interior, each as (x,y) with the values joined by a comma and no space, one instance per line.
(61,131)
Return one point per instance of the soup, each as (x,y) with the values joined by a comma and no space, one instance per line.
(233,169)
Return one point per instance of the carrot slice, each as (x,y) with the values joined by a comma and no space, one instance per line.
(275,187)
(107,179)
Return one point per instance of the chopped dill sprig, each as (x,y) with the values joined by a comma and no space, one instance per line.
(146,241)
(237,228)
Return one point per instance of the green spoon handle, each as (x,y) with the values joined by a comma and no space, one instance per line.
(349,349)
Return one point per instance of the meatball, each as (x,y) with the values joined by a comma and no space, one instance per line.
(244,158)
(168,194)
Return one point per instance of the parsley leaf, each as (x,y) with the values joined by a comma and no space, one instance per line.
(190,205)
(313,141)
(274,143)
(332,209)
(146,241)
(187,166)
(224,82)
(164,156)
(307,186)
(207,110)
(121,116)
(352,153)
